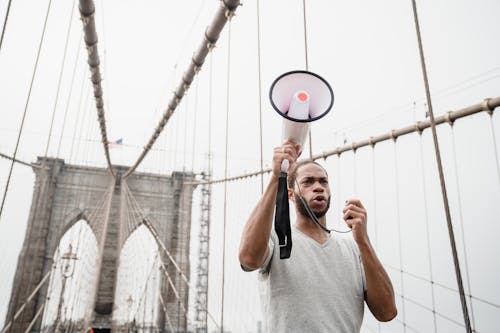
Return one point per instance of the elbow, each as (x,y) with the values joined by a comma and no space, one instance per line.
(387,314)
(248,262)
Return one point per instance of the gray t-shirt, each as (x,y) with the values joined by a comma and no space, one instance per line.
(320,288)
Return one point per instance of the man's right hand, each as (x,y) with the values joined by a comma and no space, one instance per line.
(290,151)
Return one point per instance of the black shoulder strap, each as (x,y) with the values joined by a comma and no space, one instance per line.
(282,218)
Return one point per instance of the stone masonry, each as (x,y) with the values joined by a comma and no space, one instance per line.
(64,194)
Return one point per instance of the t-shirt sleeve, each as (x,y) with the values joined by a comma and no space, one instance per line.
(266,265)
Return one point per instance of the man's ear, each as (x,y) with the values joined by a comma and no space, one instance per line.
(291,194)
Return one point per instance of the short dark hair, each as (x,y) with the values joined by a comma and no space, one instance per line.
(292,176)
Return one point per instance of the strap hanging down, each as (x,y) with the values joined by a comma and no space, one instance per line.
(282,218)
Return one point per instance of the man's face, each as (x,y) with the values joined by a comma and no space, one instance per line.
(313,182)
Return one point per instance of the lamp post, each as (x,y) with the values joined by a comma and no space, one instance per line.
(130,301)
(67,271)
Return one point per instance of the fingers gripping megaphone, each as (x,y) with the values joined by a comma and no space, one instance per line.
(300,97)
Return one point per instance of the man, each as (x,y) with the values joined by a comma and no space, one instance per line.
(323,285)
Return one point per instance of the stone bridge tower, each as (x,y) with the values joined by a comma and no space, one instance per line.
(64,194)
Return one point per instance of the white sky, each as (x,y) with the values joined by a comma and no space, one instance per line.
(367,50)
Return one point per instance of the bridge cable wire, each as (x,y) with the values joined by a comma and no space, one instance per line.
(441,174)
(259,80)
(487,104)
(59,81)
(418,277)
(195,123)
(228,77)
(25,107)
(23,306)
(495,147)
(428,240)
(398,222)
(75,285)
(70,92)
(87,13)
(226,9)
(16,160)
(5,23)
(37,200)
(166,314)
(149,226)
(306,58)
(374,198)
(43,184)
(461,220)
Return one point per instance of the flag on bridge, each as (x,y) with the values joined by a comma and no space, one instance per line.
(116,144)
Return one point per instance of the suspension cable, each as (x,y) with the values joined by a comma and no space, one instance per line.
(61,71)
(461,220)
(166,313)
(37,200)
(195,123)
(259,74)
(25,108)
(32,165)
(228,77)
(133,202)
(441,174)
(489,104)
(35,318)
(398,221)
(306,50)
(87,12)
(426,210)
(227,8)
(23,306)
(5,23)
(63,126)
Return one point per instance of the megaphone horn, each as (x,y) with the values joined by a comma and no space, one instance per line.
(300,97)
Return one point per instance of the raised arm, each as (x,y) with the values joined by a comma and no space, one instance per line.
(379,291)
(255,237)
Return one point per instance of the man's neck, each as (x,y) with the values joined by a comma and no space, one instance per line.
(311,229)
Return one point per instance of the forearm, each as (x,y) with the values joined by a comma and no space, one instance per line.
(379,290)
(257,230)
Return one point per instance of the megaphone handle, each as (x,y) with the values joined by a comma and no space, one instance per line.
(285,164)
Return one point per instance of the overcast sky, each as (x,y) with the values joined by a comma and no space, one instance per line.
(367,50)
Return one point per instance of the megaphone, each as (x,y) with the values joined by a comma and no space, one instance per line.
(300,97)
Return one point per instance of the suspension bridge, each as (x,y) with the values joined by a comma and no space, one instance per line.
(105,230)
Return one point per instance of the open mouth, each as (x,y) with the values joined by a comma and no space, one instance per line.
(319,199)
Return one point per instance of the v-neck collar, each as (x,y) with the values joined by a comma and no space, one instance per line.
(322,245)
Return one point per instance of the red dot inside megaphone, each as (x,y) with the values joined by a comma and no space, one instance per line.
(302,97)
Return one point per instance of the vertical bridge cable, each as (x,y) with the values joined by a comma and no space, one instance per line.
(441,175)
(307,65)
(225,174)
(25,107)
(227,8)
(398,219)
(424,191)
(461,220)
(260,98)
(5,23)
(61,71)
(495,148)
(70,92)
(87,11)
